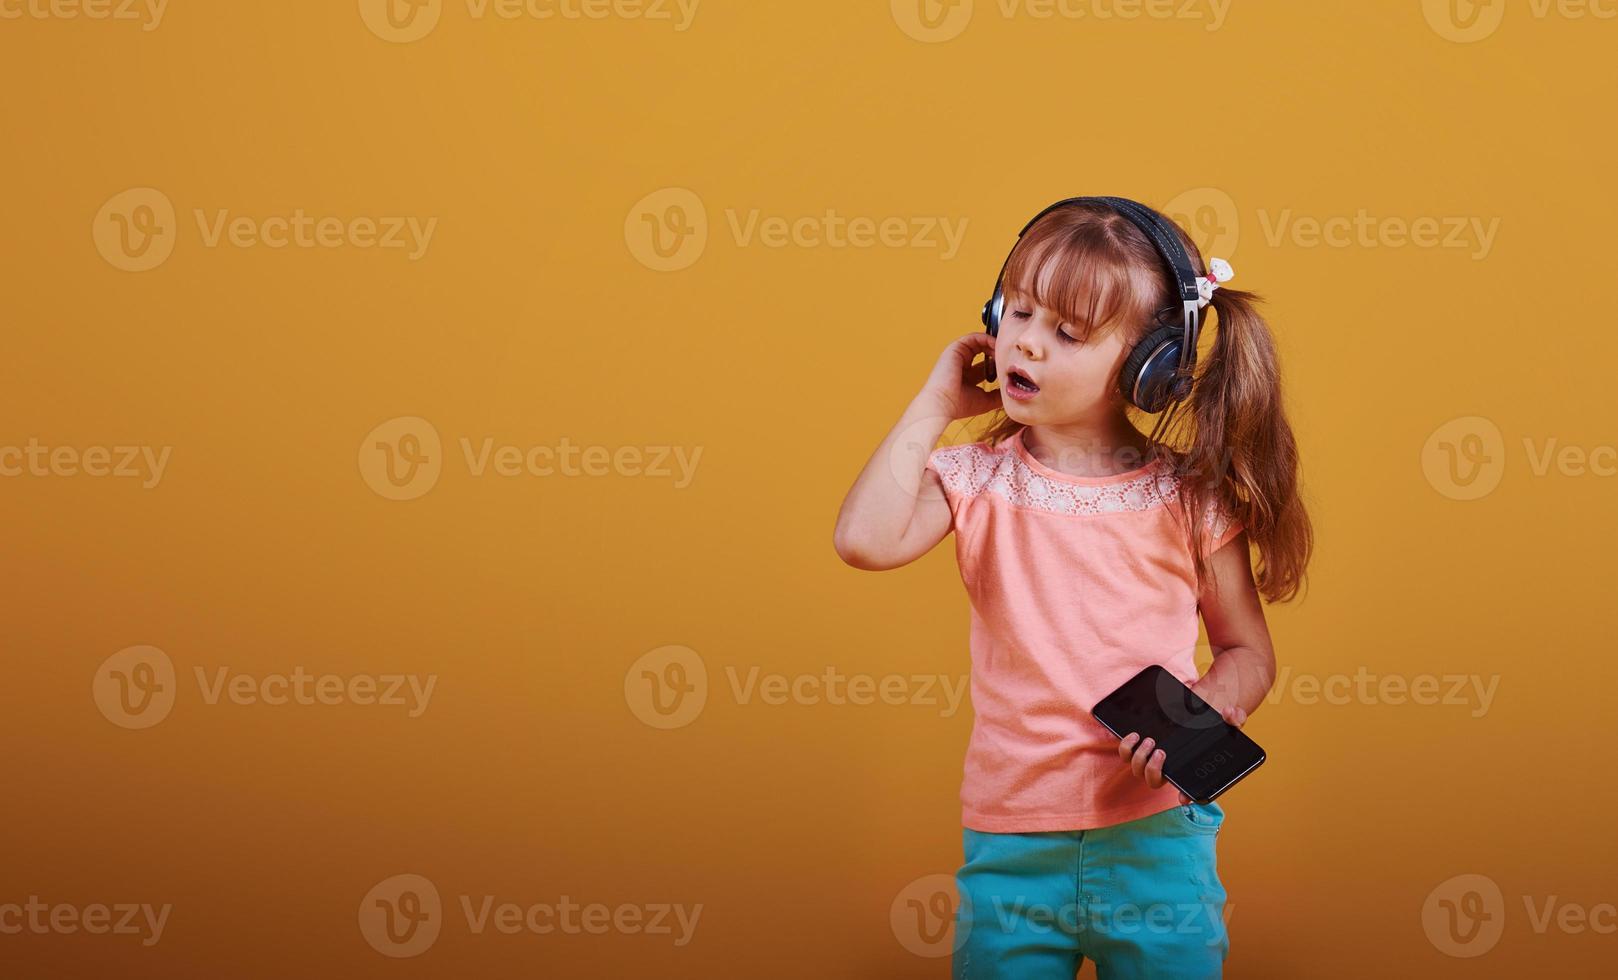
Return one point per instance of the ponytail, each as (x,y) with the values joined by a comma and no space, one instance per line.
(1239,456)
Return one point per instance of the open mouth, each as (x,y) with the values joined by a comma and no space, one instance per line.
(1021,381)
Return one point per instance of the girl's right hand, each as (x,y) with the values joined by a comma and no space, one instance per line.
(953,385)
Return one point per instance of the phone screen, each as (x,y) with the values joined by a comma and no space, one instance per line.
(1202,755)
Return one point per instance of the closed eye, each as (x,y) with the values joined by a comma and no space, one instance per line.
(1065,337)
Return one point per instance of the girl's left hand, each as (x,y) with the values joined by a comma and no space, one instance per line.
(1146,759)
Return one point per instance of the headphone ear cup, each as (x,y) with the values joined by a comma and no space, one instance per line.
(992,310)
(991,322)
(1147,378)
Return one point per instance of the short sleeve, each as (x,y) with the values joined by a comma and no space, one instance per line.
(1219,528)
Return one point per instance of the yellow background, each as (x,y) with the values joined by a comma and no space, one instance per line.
(531,318)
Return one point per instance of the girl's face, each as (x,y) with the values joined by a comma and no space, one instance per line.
(1078,380)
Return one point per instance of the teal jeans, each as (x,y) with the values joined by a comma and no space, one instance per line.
(1141,898)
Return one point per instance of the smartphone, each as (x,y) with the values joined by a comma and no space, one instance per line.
(1203,754)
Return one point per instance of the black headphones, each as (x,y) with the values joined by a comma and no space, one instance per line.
(1157,371)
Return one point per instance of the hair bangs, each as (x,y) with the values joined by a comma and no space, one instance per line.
(1086,268)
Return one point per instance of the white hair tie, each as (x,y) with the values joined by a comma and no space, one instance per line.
(1219,273)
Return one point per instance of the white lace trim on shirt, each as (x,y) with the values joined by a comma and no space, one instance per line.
(972,469)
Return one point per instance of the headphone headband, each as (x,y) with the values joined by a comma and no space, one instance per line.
(1153,225)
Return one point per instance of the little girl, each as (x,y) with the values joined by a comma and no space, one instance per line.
(1088,550)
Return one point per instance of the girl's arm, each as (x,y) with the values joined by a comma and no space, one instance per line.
(1243,669)
(896,511)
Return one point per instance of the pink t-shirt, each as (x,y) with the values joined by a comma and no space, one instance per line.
(1076,583)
